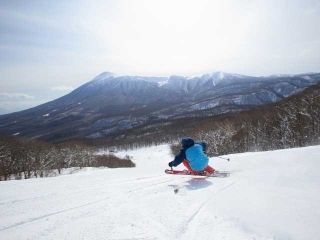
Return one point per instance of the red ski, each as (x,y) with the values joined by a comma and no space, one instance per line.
(204,174)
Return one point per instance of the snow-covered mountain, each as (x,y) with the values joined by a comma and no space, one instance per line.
(110,103)
(269,195)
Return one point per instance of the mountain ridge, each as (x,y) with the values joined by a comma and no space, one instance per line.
(109,103)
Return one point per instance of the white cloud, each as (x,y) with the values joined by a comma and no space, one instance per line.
(62,88)
(15,97)
(12,102)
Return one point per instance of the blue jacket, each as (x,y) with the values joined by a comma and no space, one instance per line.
(194,153)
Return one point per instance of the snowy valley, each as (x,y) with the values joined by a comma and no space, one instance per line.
(269,195)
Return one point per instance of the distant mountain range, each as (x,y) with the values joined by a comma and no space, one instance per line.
(110,104)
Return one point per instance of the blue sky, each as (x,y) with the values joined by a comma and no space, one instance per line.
(48,48)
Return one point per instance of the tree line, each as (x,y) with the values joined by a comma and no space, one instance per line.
(294,122)
(22,158)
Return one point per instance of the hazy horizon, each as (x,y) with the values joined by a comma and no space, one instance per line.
(49,48)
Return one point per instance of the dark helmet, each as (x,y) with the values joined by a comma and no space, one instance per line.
(187,142)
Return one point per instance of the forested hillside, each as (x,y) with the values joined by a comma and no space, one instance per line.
(22,158)
(292,122)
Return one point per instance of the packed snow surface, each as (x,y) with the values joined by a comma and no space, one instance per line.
(269,195)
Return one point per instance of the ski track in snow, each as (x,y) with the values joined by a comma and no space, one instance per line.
(80,206)
(198,211)
(145,203)
(151,184)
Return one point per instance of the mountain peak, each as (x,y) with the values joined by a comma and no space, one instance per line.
(223,75)
(218,75)
(104,75)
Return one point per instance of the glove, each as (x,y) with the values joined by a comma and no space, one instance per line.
(170,164)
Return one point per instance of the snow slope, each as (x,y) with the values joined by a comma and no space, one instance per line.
(269,195)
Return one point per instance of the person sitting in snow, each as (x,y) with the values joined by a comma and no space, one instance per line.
(193,156)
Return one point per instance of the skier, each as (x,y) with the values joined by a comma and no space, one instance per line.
(193,156)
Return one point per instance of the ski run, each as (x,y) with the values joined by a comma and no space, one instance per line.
(268,195)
